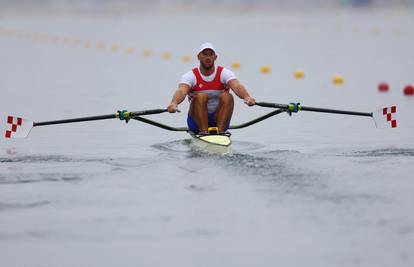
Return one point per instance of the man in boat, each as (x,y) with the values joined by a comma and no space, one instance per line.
(208,90)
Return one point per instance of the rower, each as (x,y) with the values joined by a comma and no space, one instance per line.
(208,90)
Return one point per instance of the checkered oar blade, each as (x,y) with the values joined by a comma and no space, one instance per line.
(385,117)
(15,127)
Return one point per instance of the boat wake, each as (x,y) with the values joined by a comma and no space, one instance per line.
(383,152)
(39,159)
(278,175)
(277,172)
(186,146)
(270,168)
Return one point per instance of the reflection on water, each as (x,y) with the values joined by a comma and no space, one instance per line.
(186,146)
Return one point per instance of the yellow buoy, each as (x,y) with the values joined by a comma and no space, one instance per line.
(235,65)
(49,38)
(337,79)
(265,69)
(100,46)
(299,74)
(355,29)
(166,55)
(36,37)
(24,35)
(65,40)
(53,39)
(396,33)
(115,48)
(186,58)
(130,50)
(376,30)
(147,52)
(87,44)
(75,42)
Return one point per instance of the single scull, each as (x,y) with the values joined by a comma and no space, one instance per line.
(18,127)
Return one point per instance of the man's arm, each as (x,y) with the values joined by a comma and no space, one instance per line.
(241,92)
(179,96)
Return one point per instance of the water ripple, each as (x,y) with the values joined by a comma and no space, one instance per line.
(383,152)
(24,178)
(16,206)
(37,159)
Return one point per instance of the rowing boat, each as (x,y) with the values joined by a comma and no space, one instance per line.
(219,139)
(18,127)
(213,141)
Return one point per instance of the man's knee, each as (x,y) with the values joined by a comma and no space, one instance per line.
(226,98)
(201,98)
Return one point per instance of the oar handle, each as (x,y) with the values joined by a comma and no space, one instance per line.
(147,112)
(272,105)
(314,109)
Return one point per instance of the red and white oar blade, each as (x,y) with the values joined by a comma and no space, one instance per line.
(385,117)
(15,127)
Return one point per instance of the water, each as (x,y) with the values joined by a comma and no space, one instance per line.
(311,189)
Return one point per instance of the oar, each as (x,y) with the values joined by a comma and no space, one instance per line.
(383,118)
(18,127)
(256,120)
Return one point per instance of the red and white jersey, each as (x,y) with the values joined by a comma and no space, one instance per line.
(213,85)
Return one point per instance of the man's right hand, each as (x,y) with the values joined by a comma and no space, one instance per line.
(250,101)
(172,108)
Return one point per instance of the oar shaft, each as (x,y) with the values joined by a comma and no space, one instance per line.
(313,109)
(100,117)
(91,118)
(259,119)
(147,112)
(160,125)
(336,111)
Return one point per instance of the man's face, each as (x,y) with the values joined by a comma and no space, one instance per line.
(207,58)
